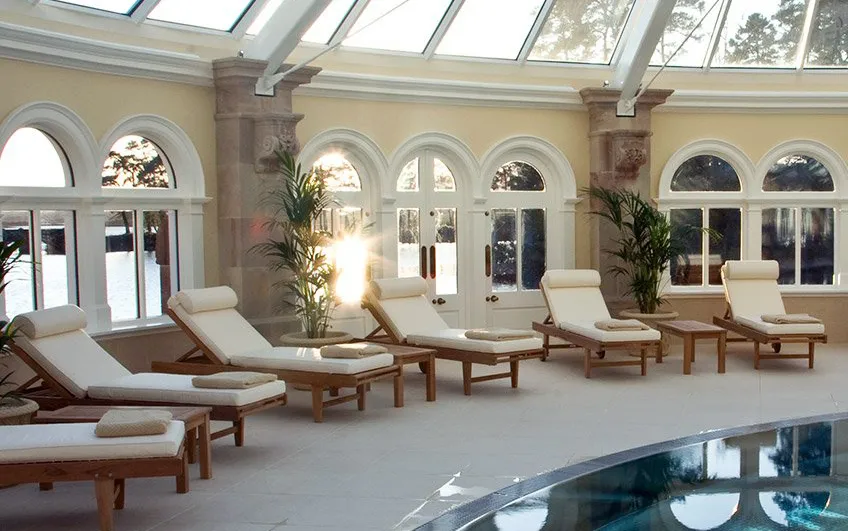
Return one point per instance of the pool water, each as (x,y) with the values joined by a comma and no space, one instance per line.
(791,477)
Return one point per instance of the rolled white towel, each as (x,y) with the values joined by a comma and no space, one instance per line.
(232,380)
(133,423)
(497,334)
(790,318)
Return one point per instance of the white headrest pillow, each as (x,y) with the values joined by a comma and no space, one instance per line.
(751,270)
(207,299)
(572,278)
(50,322)
(398,288)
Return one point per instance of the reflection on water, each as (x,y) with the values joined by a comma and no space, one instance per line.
(789,478)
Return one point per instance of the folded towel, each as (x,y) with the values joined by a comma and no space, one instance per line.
(789,318)
(133,422)
(232,380)
(497,334)
(615,325)
(352,350)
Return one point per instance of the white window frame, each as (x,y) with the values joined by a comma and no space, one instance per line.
(89,200)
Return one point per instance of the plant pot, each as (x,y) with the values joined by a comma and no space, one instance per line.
(651,319)
(15,412)
(299,339)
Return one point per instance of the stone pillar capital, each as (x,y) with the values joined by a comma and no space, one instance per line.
(235,84)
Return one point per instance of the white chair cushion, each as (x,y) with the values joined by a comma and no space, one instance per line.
(177,389)
(309,360)
(225,332)
(408,315)
(398,288)
(52,321)
(575,304)
(455,338)
(50,443)
(73,359)
(588,329)
(206,299)
(751,269)
(753,298)
(779,329)
(572,278)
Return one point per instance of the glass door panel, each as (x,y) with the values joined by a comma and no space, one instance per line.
(408,243)
(533,247)
(446,251)
(504,242)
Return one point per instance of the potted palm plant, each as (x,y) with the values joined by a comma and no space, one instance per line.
(647,243)
(14,409)
(295,204)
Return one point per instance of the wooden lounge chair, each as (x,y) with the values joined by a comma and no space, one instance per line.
(751,291)
(75,370)
(225,341)
(404,316)
(46,454)
(575,304)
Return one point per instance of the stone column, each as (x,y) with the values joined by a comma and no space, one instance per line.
(248,130)
(619,157)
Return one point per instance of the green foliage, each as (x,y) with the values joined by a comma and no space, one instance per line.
(138,164)
(647,243)
(829,42)
(295,203)
(10,255)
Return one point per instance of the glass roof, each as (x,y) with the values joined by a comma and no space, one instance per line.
(788,34)
(213,14)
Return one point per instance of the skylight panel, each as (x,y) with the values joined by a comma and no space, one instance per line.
(765,33)
(264,16)
(122,7)
(220,15)
(407,28)
(685,16)
(829,35)
(323,29)
(490,28)
(575,33)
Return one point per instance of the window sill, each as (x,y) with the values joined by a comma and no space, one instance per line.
(710,294)
(136,329)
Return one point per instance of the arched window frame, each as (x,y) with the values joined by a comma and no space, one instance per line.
(752,200)
(89,201)
(670,200)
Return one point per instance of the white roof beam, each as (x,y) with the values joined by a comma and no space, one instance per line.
(282,34)
(240,29)
(650,23)
(538,24)
(442,28)
(143,10)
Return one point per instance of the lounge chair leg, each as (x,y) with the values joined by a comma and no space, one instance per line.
(104,492)
(398,384)
(812,354)
(45,486)
(466,377)
(722,353)
(120,493)
(191,446)
(182,477)
(644,354)
(587,362)
(756,355)
(360,397)
(513,373)
(546,345)
(205,450)
(317,403)
(239,434)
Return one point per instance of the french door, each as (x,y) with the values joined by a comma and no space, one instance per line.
(430,233)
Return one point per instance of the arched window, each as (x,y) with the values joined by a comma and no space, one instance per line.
(518,176)
(706,175)
(141,272)
(800,238)
(46,274)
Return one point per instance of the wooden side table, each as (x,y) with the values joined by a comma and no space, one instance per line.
(196,421)
(424,357)
(691,331)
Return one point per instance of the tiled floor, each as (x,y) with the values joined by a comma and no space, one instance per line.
(388,468)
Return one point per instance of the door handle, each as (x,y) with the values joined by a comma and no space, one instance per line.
(422,257)
(439,301)
(487,254)
(432,261)
(493,298)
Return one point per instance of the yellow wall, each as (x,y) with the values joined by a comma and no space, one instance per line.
(102,100)
(390,124)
